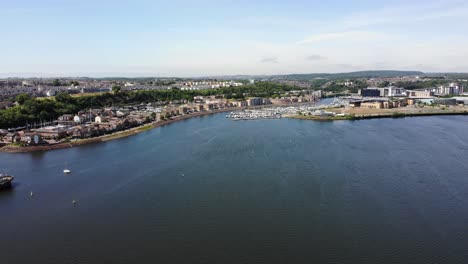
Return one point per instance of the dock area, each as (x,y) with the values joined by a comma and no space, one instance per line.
(277,112)
(254,115)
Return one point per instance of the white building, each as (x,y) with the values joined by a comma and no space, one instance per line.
(50,93)
(98,119)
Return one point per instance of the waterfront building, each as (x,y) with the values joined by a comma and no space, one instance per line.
(369,92)
(255,101)
(372,105)
(280,101)
(382,92)
(420,94)
(392,91)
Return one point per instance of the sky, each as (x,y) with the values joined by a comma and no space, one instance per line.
(229,37)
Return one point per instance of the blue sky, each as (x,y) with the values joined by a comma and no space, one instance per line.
(207,37)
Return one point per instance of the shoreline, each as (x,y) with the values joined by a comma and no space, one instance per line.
(119,134)
(149,126)
(376,116)
(109,137)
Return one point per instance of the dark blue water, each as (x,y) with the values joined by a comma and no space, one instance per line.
(211,190)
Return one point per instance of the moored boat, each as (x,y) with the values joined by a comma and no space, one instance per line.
(5,181)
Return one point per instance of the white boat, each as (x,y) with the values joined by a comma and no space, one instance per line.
(66,170)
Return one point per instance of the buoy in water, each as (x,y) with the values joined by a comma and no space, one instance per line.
(31,194)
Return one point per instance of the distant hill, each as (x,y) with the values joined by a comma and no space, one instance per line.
(329,76)
(296,77)
(351,75)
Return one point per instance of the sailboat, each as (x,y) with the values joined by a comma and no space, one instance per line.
(66,170)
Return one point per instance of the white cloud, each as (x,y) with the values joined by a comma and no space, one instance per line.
(346,35)
(315,57)
(269,60)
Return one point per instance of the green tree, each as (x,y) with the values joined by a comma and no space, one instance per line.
(64,98)
(116,89)
(21,98)
(56,82)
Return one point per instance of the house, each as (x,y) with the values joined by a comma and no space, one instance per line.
(184,110)
(50,93)
(122,113)
(99,119)
(209,107)
(75,132)
(198,99)
(53,132)
(14,137)
(65,119)
(3,133)
(33,139)
(6,104)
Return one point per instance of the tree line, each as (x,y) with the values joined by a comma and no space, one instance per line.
(34,110)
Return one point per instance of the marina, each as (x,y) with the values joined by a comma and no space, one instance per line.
(277,112)
(253,115)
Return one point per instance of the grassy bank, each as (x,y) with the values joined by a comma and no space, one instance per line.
(381,115)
